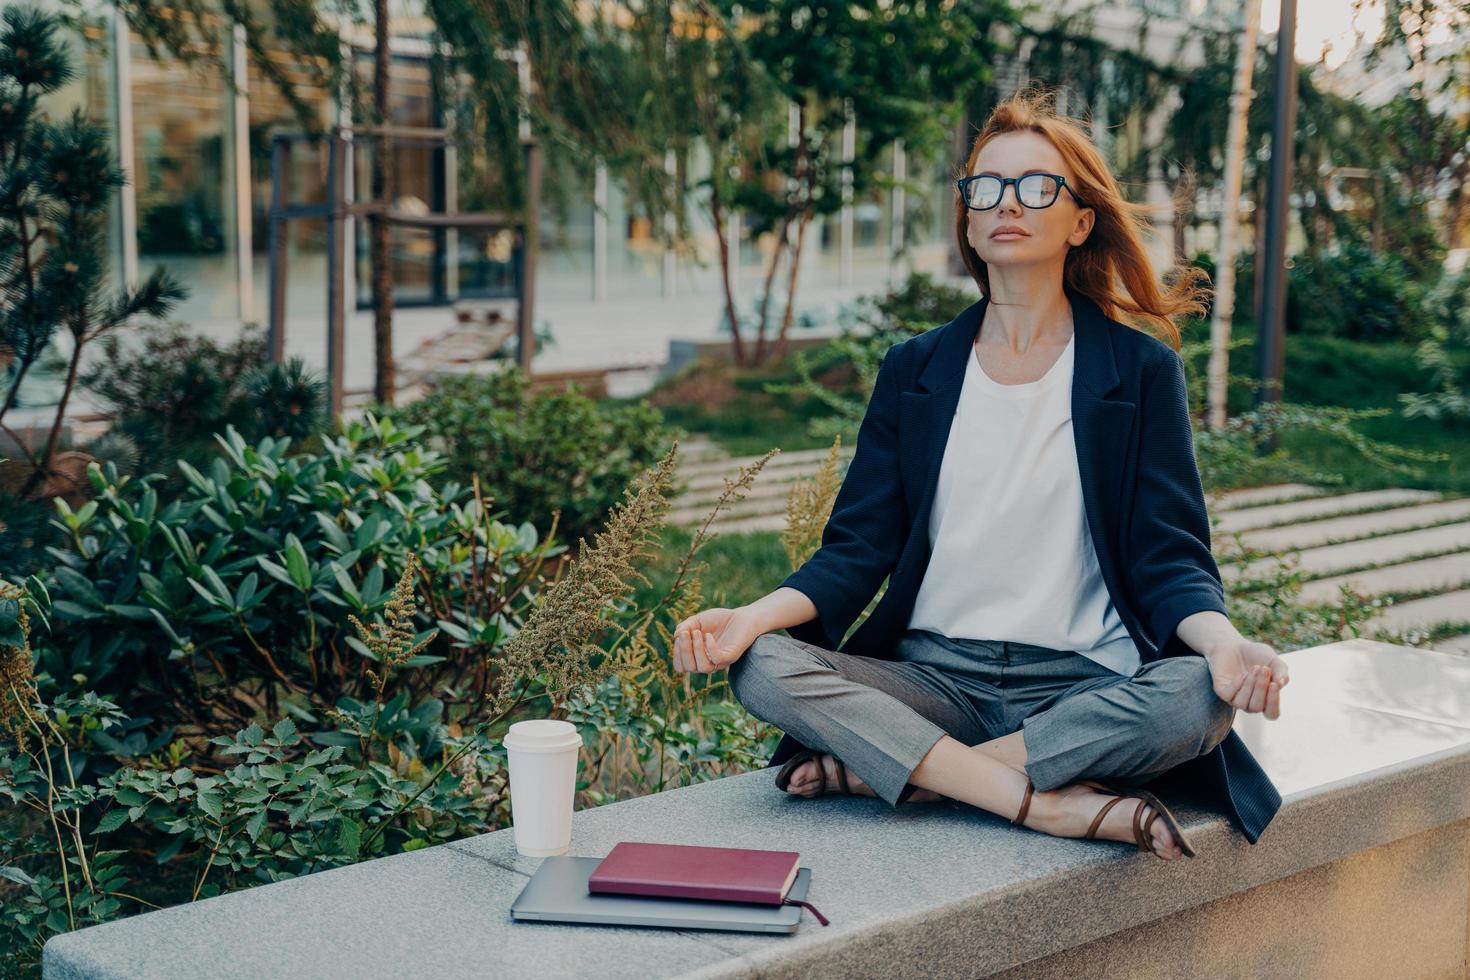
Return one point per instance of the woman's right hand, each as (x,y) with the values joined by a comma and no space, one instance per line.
(715,638)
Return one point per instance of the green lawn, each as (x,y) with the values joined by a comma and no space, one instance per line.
(731,407)
(742,567)
(1351,374)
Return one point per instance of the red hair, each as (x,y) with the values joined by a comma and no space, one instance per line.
(1113,255)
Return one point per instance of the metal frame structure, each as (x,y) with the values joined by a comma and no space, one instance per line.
(336,209)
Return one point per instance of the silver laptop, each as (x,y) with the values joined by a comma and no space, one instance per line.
(557,892)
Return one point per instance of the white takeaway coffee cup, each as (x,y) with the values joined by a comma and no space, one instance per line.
(541,754)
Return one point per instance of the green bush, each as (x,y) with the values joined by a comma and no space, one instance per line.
(1446,400)
(535,453)
(116,809)
(1356,294)
(1236,455)
(921,303)
(247,576)
(202,814)
(172,393)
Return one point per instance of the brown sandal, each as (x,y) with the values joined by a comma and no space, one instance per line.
(1142,829)
(783,777)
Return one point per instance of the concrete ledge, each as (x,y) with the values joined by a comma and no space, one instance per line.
(682,352)
(1372,756)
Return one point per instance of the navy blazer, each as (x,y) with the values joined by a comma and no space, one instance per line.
(1141,491)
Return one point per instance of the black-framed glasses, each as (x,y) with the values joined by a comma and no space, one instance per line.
(1035,190)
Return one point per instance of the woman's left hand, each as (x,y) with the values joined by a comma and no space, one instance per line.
(1248,675)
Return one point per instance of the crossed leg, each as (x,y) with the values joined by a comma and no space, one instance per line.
(879,717)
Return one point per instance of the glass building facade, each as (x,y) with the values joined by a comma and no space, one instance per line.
(198,155)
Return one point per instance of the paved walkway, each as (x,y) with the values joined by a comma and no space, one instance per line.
(1408,548)
(629,337)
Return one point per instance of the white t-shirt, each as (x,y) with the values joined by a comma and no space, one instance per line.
(1011,555)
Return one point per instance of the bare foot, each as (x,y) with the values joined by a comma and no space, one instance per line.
(806,781)
(1069,811)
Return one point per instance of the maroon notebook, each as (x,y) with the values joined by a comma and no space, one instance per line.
(726,874)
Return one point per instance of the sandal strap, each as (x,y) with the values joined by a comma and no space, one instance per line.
(1102,812)
(1148,829)
(783,776)
(842,775)
(1020,818)
(1141,836)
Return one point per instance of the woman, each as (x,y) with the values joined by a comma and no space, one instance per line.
(1054,631)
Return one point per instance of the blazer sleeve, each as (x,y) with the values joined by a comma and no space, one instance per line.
(865,533)
(1173,572)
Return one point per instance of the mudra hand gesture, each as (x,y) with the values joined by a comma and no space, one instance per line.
(714,638)
(1248,675)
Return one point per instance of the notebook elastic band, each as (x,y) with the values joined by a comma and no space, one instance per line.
(809,906)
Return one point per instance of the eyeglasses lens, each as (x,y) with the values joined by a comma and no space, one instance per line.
(1034,191)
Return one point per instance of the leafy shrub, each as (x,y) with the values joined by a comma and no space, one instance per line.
(1448,310)
(920,303)
(25,530)
(1235,456)
(1358,294)
(246,578)
(205,814)
(534,452)
(176,390)
(117,808)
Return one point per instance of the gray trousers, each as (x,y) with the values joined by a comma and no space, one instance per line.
(1080,720)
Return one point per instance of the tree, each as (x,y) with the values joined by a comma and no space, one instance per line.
(1223,309)
(55,183)
(1427,125)
(768,88)
(385,189)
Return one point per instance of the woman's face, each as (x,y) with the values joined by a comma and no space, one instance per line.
(1045,233)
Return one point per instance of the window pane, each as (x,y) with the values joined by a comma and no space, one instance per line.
(183,172)
(305,182)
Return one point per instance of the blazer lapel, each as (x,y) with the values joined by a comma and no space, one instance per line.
(1100,425)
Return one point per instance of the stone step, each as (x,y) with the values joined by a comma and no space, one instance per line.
(1423,614)
(1255,496)
(710,485)
(1444,573)
(1454,644)
(1251,518)
(1334,559)
(767,485)
(694,452)
(750,525)
(1341,529)
(766,504)
(732,464)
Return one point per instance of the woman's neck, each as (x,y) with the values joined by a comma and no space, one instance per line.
(1018,316)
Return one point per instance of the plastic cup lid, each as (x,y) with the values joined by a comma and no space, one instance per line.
(542,733)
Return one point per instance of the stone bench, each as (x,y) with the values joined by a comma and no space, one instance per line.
(1364,873)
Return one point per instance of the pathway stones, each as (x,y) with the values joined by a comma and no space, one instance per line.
(1255,496)
(1443,573)
(1248,518)
(1383,550)
(1423,614)
(1338,529)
